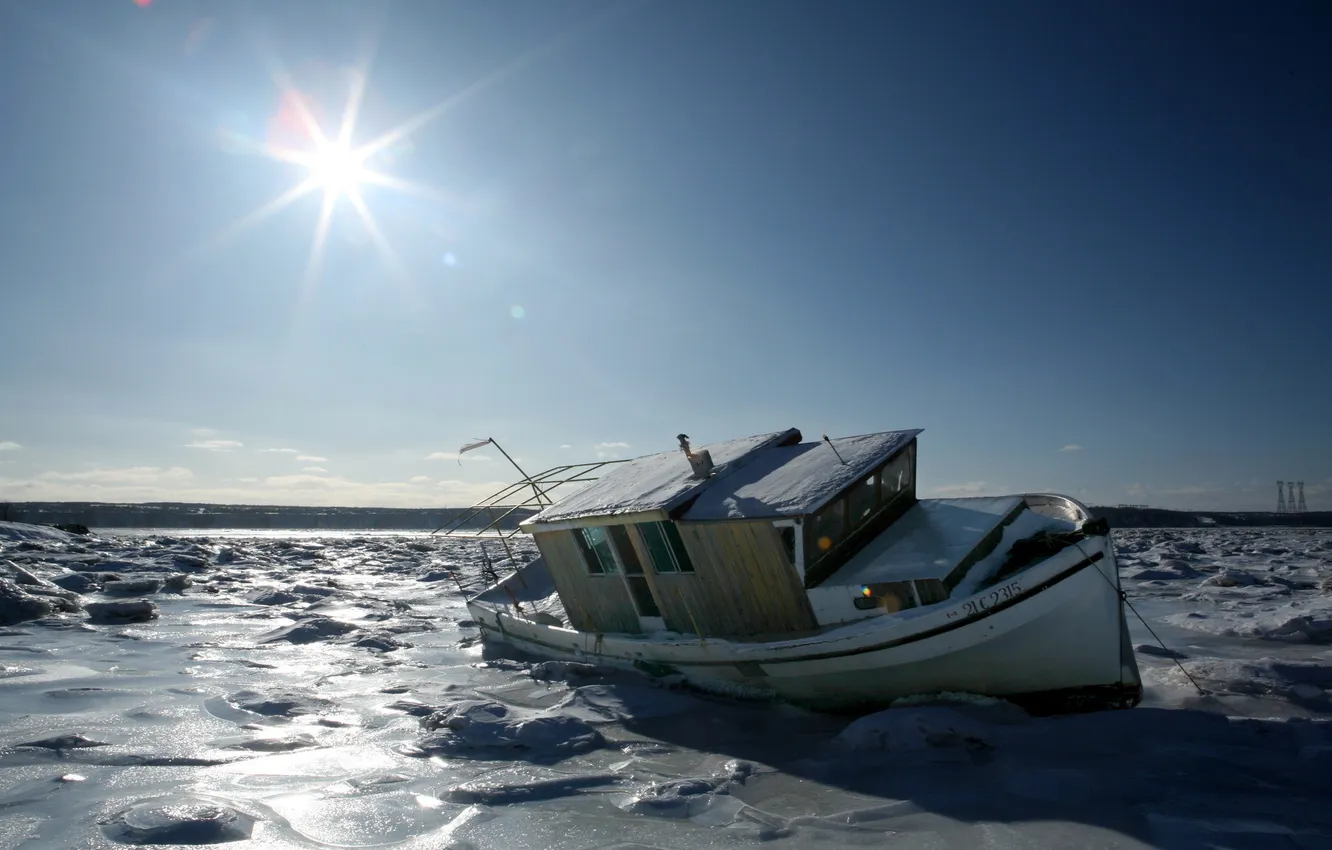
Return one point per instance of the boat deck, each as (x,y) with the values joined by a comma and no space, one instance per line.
(938,539)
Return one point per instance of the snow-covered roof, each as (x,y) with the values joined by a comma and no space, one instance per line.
(658,482)
(796,480)
(768,475)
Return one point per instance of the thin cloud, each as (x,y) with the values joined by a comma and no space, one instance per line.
(281,451)
(314,469)
(419,479)
(1318,488)
(566,446)
(311,459)
(215,445)
(123,476)
(1193,490)
(463,493)
(966,488)
(1071,447)
(177,484)
(606,446)
(303,481)
(615,449)
(455,456)
(9,446)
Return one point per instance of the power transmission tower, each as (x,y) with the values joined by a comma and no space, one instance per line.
(1302,508)
(1281,497)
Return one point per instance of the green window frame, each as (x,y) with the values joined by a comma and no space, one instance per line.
(666,547)
(594,544)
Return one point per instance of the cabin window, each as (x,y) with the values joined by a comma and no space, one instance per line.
(890,596)
(594,543)
(857,506)
(863,499)
(931,591)
(665,547)
(787,533)
(824,530)
(895,476)
(625,549)
(633,572)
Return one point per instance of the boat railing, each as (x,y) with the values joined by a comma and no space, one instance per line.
(498,517)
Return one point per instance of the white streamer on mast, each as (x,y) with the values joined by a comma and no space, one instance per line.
(478,444)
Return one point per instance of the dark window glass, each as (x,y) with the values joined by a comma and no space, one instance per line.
(658,549)
(787,534)
(895,477)
(682,560)
(890,596)
(643,599)
(625,549)
(595,545)
(590,560)
(665,547)
(824,531)
(932,591)
(862,499)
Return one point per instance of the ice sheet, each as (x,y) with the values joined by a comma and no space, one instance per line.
(190,728)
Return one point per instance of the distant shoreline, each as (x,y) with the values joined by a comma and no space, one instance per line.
(201,517)
(1160,518)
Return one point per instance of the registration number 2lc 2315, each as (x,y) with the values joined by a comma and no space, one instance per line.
(991,598)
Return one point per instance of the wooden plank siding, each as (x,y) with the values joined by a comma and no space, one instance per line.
(594,603)
(743,585)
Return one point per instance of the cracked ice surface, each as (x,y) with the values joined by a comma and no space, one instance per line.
(327,690)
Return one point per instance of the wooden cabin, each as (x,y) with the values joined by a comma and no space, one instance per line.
(723,541)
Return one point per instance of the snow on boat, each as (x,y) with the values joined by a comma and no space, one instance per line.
(811,572)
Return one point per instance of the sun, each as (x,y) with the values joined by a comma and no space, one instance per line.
(337,169)
(328,162)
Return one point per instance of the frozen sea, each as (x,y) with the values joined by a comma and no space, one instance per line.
(325,689)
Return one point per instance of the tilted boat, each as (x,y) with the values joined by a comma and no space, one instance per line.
(809,571)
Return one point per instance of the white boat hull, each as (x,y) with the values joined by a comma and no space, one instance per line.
(1052,637)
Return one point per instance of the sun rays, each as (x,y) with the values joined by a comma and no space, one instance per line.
(333,164)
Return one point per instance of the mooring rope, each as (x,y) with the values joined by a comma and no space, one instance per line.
(1124,598)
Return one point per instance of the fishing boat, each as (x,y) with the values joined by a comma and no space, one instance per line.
(809,571)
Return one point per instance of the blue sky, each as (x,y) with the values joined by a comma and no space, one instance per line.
(1085,246)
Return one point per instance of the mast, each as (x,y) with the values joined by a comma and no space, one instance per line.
(540,496)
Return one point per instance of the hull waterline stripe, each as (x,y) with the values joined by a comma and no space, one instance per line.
(928,633)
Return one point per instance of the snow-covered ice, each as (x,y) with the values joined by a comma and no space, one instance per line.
(328,690)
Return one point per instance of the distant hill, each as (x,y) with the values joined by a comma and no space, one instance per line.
(1139,517)
(187,515)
